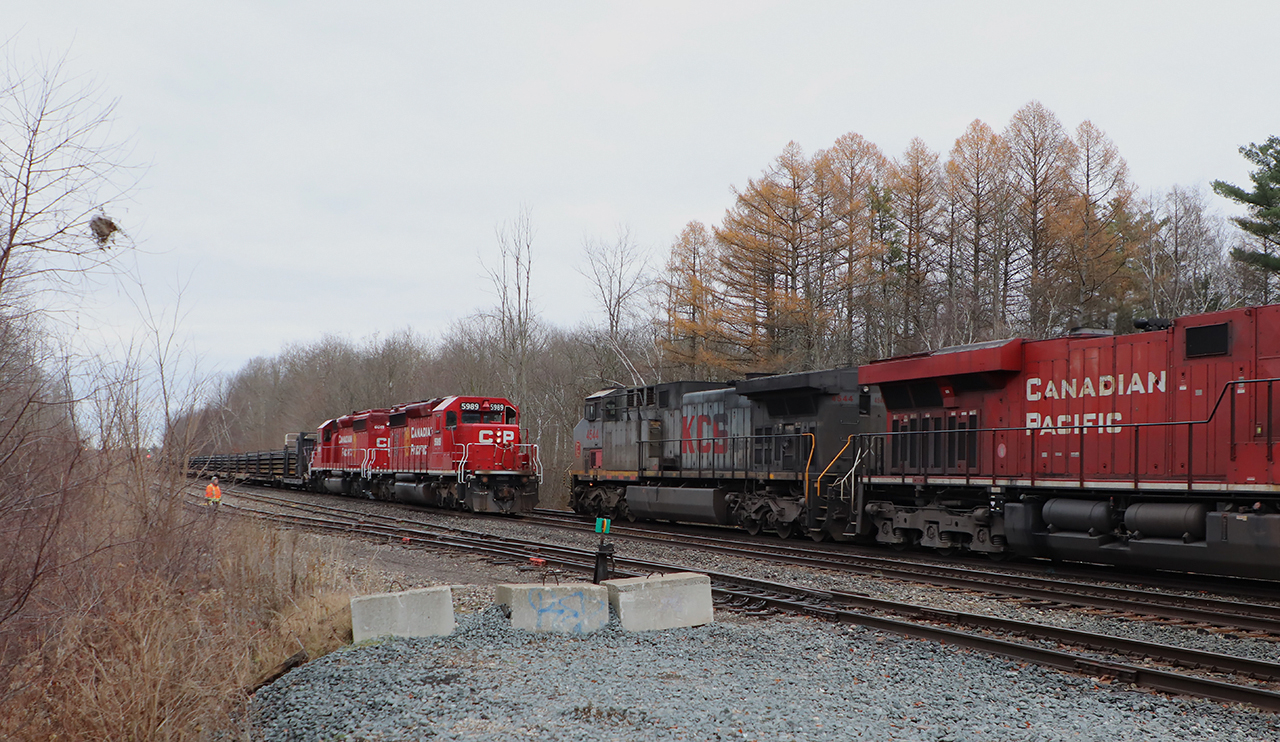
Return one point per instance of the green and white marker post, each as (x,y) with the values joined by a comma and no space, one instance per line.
(604,553)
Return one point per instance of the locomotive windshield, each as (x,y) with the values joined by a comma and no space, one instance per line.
(489,416)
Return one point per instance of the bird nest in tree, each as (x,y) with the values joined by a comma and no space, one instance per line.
(103,228)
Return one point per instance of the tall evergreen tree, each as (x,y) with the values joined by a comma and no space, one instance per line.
(1263,203)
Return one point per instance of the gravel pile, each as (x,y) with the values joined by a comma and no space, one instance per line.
(755,679)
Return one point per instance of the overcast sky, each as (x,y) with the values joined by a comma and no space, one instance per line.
(335,167)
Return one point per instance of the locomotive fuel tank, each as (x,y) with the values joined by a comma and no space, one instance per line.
(687,504)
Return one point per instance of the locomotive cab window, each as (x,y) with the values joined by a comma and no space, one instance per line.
(470,418)
(492,416)
(451,419)
(511,416)
(592,411)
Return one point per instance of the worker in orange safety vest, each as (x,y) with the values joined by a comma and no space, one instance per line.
(213,493)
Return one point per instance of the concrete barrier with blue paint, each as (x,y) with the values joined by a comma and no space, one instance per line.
(569,608)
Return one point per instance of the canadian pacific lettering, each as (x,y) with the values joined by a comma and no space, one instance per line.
(1099,386)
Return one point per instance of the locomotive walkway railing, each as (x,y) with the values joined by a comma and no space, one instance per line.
(914,455)
(768,456)
(510,456)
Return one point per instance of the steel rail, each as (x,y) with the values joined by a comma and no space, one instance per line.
(1241,587)
(1196,609)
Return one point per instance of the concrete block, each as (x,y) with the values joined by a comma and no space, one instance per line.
(662,602)
(424,612)
(571,608)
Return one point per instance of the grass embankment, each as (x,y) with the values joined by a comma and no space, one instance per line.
(154,617)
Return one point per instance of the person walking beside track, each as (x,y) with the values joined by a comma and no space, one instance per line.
(213,493)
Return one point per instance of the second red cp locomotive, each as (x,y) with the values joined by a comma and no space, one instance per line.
(459,452)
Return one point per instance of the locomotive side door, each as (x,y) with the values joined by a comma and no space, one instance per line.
(1266,426)
(653,443)
(1205,367)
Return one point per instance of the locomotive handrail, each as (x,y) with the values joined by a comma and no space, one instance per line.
(813,444)
(1112,426)
(535,456)
(731,450)
(852,469)
(462,462)
(818,483)
(532,452)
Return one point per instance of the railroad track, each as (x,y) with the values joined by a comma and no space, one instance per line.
(972,630)
(1259,619)
(1237,587)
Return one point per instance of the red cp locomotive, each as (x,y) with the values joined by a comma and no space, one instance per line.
(457,452)
(453,452)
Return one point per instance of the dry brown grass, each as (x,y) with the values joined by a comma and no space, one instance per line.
(160,616)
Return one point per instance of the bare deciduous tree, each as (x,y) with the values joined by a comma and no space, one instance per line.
(619,276)
(511,279)
(59,171)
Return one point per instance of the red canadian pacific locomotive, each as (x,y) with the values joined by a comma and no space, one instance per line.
(1156,449)
(455,452)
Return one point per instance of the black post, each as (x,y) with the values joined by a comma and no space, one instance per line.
(604,561)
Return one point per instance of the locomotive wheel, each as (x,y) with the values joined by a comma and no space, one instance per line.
(752,526)
(785,530)
(819,535)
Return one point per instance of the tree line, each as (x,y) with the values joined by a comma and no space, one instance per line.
(848,254)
